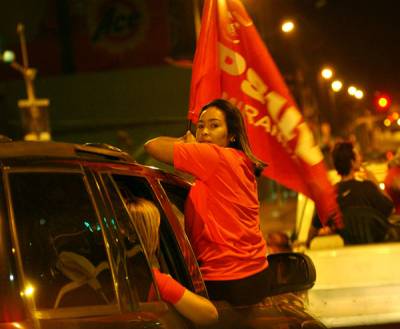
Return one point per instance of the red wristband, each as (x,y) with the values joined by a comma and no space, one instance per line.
(170,290)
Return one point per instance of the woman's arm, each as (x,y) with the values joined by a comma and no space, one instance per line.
(192,306)
(162,148)
(197,308)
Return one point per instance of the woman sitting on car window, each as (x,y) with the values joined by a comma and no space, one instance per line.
(222,218)
(146,218)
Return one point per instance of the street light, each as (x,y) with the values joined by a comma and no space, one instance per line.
(336,85)
(34,110)
(352,90)
(326,108)
(7,56)
(327,73)
(288,26)
(359,94)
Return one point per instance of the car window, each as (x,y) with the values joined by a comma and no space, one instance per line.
(177,197)
(60,241)
(170,256)
(133,260)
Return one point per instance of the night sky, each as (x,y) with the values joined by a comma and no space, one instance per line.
(374,52)
(360,38)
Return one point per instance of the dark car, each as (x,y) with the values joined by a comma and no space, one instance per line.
(64,251)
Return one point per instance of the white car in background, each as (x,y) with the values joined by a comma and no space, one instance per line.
(356,285)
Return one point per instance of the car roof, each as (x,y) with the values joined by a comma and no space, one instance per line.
(16,151)
(28,149)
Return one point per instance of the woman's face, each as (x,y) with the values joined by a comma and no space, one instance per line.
(212,127)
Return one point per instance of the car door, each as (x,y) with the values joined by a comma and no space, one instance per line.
(65,265)
(114,186)
(176,192)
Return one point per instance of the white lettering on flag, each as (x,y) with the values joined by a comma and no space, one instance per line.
(230,61)
(254,86)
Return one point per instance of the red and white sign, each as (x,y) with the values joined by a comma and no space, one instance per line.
(119,33)
(233,63)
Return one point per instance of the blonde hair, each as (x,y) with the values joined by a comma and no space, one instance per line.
(146,218)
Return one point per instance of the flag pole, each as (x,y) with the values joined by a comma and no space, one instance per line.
(197,26)
(189,125)
(196,17)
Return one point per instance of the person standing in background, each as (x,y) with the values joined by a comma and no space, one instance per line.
(364,206)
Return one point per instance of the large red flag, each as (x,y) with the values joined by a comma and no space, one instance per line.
(232,62)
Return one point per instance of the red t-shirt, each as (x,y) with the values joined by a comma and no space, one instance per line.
(222,211)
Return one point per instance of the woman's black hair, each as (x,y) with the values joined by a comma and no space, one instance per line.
(236,131)
(342,155)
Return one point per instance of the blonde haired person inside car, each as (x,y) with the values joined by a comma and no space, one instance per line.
(222,217)
(146,219)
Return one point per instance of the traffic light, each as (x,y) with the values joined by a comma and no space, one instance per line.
(382,102)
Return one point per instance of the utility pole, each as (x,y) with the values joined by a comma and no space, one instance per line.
(34,113)
(196,17)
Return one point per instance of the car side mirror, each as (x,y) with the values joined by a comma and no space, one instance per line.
(290,272)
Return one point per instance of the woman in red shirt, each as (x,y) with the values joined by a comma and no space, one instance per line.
(222,210)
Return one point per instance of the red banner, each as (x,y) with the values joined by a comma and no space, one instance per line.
(232,62)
